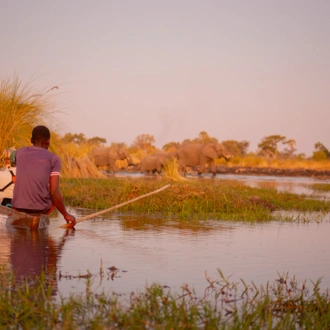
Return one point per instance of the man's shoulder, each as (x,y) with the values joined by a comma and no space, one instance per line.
(52,157)
(37,152)
(50,153)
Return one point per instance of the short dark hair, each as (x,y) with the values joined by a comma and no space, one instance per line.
(40,133)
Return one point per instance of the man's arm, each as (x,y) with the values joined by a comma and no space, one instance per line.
(57,199)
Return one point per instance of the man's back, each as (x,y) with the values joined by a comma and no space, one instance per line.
(34,166)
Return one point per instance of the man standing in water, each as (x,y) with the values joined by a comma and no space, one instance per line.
(36,189)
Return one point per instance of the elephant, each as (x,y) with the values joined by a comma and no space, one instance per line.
(152,164)
(197,154)
(155,162)
(166,154)
(103,156)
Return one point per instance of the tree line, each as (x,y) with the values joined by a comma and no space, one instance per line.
(272,146)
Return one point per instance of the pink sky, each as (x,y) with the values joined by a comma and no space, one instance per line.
(239,70)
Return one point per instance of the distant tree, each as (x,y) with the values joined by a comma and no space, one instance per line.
(268,146)
(236,148)
(74,138)
(118,145)
(320,146)
(319,155)
(290,150)
(144,142)
(301,156)
(204,137)
(171,146)
(321,152)
(97,140)
(187,141)
(80,138)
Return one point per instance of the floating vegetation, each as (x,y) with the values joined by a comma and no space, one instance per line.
(303,217)
(321,187)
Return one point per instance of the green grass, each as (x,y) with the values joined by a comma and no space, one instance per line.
(284,304)
(321,187)
(188,199)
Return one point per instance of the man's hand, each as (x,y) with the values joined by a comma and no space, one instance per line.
(70,219)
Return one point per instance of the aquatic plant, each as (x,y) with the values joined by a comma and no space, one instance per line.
(286,303)
(321,187)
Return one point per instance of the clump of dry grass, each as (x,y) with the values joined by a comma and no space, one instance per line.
(20,111)
(76,162)
(80,168)
(288,163)
(171,171)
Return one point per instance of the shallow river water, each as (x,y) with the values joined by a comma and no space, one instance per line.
(172,253)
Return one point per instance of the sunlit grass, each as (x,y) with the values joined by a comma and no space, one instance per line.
(321,187)
(171,170)
(76,162)
(20,111)
(187,199)
(79,168)
(285,303)
(292,163)
(71,149)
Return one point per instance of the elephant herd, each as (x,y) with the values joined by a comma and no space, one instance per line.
(188,155)
(108,156)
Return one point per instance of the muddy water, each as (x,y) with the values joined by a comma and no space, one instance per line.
(171,253)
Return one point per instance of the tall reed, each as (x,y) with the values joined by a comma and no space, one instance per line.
(171,170)
(20,111)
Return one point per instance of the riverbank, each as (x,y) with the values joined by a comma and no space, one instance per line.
(270,171)
(320,174)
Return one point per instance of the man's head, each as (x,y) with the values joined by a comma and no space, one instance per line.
(41,136)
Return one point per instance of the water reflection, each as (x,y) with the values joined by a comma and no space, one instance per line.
(34,251)
(130,222)
(172,253)
(31,252)
(4,248)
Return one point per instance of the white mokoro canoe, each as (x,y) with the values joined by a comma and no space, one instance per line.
(12,218)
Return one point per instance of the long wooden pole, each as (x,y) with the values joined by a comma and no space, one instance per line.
(116,206)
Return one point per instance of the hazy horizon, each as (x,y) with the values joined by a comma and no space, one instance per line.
(238,70)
